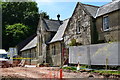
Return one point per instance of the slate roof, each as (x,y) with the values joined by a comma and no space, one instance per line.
(59,35)
(110,7)
(24,43)
(91,9)
(52,25)
(96,11)
(31,44)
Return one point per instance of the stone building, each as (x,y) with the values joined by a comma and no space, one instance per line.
(88,25)
(108,22)
(22,44)
(56,46)
(81,26)
(45,32)
(92,24)
(30,51)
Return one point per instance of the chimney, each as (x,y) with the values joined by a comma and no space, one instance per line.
(58,16)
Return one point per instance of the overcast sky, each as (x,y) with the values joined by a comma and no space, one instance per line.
(65,9)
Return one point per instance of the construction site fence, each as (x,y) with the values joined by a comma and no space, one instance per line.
(97,54)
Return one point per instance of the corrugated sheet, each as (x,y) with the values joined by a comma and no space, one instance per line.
(31,44)
(95,54)
(59,35)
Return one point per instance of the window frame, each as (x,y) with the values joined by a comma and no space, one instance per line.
(78,30)
(53,50)
(106,23)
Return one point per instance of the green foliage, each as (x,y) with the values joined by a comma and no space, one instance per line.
(25,13)
(83,66)
(44,15)
(73,42)
(70,68)
(20,12)
(16,33)
(107,72)
(98,71)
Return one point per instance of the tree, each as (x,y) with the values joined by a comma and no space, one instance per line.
(16,33)
(44,15)
(25,13)
(20,12)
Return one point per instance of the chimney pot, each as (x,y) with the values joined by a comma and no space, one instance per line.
(58,16)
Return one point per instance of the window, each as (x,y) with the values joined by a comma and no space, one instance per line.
(78,27)
(53,49)
(39,46)
(3,55)
(105,23)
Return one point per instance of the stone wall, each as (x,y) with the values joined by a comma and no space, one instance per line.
(30,53)
(55,58)
(43,37)
(79,19)
(114,31)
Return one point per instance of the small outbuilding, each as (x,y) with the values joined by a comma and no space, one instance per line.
(30,50)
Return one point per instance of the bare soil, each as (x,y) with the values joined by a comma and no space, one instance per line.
(44,72)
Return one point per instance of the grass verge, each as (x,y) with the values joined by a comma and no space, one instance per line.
(96,71)
(107,72)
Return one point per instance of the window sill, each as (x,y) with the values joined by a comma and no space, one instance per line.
(106,30)
(78,33)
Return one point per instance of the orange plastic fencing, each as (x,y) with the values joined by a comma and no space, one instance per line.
(58,74)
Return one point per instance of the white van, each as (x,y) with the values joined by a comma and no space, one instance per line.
(4,60)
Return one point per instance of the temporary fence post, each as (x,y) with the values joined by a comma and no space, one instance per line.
(50,74)
(106,63)
(61,74)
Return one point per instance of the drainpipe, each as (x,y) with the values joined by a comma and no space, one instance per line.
(30,56)
(61,55)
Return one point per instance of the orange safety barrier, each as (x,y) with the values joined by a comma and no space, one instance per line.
(56,74)
(61,74)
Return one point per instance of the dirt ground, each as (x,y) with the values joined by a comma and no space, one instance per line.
(43,72)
